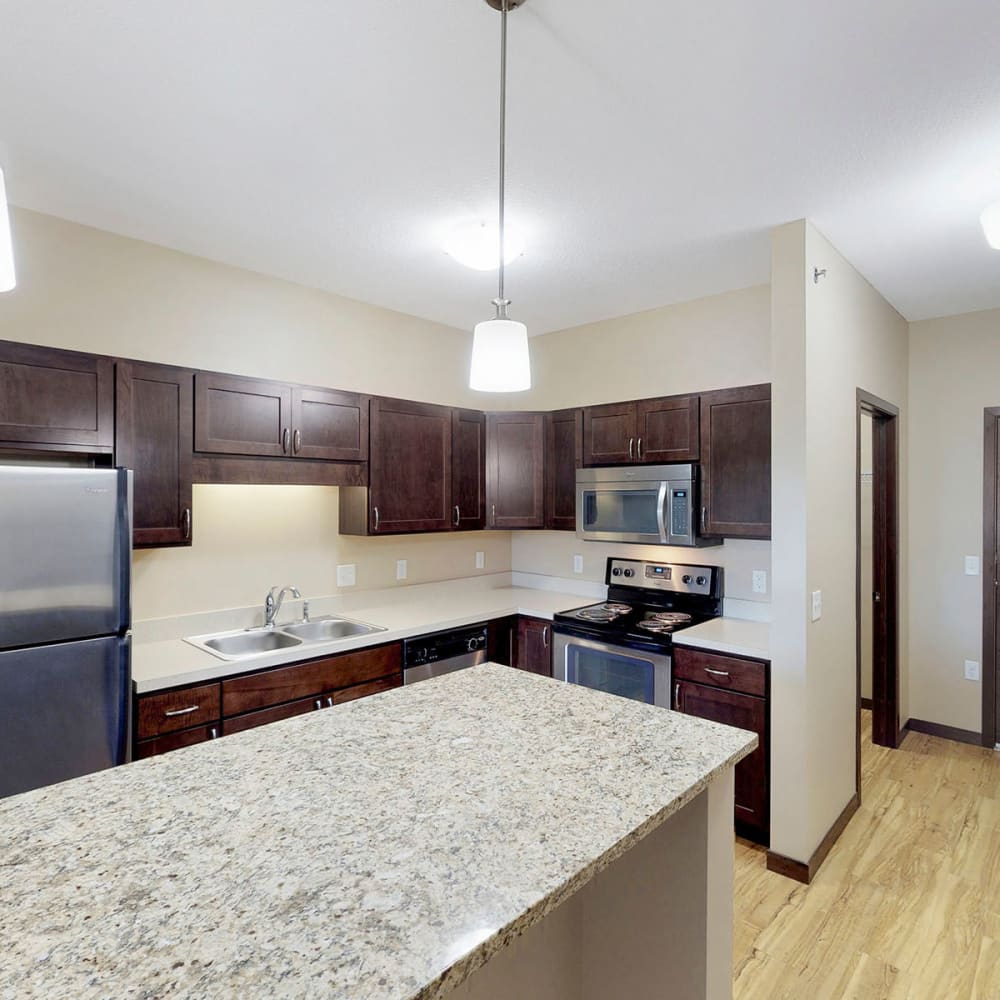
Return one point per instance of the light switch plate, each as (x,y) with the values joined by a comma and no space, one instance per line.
(400,569)
(577,564)
(347,576)
(760,581)
(817,605)
(972,565)
(480,560)
(971,670)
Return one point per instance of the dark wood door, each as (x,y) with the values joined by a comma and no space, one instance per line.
(534,645)
(329,425)
(56,400)
(242,416)
(609,434)
(515,470)
(154,438)
(563,456)
(744,712)
(736,463)
(501,640)
(410,467)
(667,430)
(468,475)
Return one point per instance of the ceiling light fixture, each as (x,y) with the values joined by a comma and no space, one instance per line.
(474,244)
(991,225)
(500,360)
(7,277)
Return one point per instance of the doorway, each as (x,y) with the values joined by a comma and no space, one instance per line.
(991,592)
(878,567)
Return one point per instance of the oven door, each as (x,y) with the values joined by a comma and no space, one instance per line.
(629,673)
(622,512)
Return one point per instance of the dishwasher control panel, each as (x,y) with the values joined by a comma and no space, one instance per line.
(444,645)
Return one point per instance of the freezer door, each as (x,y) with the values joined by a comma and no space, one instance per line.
(65,554)
(64,711)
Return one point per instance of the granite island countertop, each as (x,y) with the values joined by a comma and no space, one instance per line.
(380,850)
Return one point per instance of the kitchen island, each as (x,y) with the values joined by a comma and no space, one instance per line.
(485,834)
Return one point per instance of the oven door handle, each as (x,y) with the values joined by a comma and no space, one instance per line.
(661,506)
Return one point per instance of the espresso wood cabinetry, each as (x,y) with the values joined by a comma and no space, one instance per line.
(645,431)
(733,691)
(468,473)
(736,462)
(169,720)
(563,456)
(329,425)
(515,465)
(153,437)
(56,400)
(534,645)
(242,416)
(501,640)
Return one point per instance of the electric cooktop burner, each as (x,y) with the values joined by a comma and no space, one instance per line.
(604,612)
(664,621)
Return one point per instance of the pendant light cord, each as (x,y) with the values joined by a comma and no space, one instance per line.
(501,301)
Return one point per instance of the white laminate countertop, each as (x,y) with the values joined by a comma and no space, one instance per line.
(728,635)
(383,849)
(403,613)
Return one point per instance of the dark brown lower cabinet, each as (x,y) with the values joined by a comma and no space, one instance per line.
(732,690)
(176,741)
(501,641)
(534,646)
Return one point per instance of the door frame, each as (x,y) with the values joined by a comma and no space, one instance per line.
(991,418)
(885,570)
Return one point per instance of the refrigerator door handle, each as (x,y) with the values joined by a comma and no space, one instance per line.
(124,544)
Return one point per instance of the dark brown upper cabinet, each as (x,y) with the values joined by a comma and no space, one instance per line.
(515,470)
(56,400)
(410,468)
(648,431)
(329,425)
(563,456)
(468,476)
(153,438)
(736,462)
(242,416)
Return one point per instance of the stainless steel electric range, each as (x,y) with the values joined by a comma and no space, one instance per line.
(622,645)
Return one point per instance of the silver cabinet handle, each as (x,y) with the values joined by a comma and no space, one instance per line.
(284,440)
(704,519)
(213,733)
(545,637)
(458,516)
(319,704)
(494,510)
(638,449)
(329,702)
(631,446)
(186,523)
(376,519)
(297,441)
(180,711)
(716,673)
(677,695)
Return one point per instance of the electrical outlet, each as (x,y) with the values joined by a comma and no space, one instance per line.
(347,576)
(400,569)
(971,670)
(972,565)
(760,581)
(577,564)
(480,560)
(817,605)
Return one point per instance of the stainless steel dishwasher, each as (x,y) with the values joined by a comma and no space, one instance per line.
(442,652)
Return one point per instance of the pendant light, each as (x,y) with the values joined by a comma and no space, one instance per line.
(500,345)
(7,277)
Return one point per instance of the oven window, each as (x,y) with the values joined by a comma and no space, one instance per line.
(612,672)
(621,511)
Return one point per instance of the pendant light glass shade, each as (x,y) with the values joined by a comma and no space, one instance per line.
(500,357)
(990,220)
(7,277)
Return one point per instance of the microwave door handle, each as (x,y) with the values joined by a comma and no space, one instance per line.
(661,505)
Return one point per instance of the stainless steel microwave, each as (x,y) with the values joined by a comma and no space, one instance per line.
(648,505)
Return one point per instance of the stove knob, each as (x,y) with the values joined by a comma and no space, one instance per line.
(687,578)
(701,581)
(629,572)
(616,571)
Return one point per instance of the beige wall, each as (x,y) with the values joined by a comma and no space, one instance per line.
(829,339)
(954,375)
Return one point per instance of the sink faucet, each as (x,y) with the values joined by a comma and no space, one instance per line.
(272,604)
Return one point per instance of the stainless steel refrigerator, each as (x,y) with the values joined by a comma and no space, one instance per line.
(65,615)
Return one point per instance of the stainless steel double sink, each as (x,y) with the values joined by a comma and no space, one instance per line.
(253,642)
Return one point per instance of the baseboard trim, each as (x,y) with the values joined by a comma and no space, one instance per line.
(866,703)
(944,732)
(806,872)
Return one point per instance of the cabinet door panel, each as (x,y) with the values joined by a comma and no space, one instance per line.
(534,646)
(736,462)
(515,470)
(367,690)
(242,416)
(743,712)
(609,434)
(265,716)
(329,425)
(563,456)
(410,467)
(176,741)
(56,399)
(501,639)
(667,430)
(468,484)
(153,438)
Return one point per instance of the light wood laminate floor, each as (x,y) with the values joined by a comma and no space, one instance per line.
(907,905)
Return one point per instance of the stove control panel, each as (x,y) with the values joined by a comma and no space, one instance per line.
(702,580)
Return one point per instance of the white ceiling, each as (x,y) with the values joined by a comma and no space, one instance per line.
(651,145)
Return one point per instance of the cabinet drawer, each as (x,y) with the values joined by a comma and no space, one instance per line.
(175,710)
(252,720)
(364,690)
(174,741)
(747,676)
